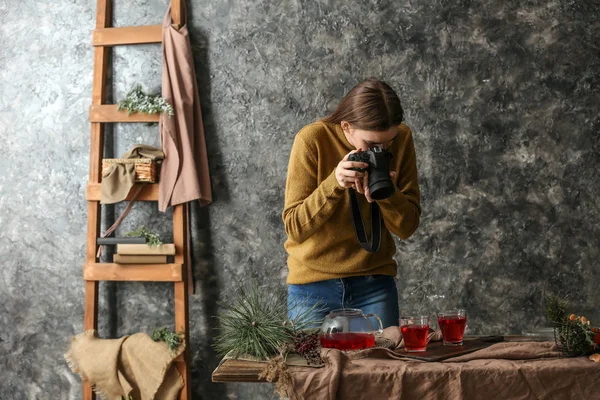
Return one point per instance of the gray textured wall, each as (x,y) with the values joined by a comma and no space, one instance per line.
(502,96)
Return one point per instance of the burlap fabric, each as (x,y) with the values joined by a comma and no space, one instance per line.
(133,366)
(118,179)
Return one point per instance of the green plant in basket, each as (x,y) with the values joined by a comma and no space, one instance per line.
(573,334)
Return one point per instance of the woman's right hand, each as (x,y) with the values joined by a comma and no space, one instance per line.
(346,176)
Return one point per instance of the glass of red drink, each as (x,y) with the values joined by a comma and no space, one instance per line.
(415,329)
(452,324)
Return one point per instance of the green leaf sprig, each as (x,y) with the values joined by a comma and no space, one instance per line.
(152,238)
(138,101)
(164,334)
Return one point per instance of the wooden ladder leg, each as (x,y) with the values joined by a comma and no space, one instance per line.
(103,20)
(91,322)
(180,232)
(90,319)
(180,218)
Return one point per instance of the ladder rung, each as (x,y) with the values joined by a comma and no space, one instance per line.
(109,113)
(149,193)
(127,35)
(132,272)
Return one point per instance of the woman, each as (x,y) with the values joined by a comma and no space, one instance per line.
(325,260)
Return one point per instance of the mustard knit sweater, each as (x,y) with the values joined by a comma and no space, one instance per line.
(321,241)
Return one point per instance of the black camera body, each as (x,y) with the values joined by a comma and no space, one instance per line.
(380,184)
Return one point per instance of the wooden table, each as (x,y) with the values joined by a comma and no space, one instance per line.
(238,371)
(248,371)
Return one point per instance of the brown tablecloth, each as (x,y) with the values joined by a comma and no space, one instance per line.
(523,370)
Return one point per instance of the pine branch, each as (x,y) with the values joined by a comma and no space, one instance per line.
(556,309)
(255,322)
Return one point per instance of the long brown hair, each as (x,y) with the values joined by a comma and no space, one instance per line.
(371,105)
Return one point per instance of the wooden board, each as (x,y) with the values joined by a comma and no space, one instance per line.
(436,351)
(181,295)
(101,56)
(239,371)
(133,272)
(109,113)
(149,192)
(127,35)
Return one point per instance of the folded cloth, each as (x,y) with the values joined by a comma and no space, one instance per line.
(133,366)
(508,370)
(118,179)
(512,351)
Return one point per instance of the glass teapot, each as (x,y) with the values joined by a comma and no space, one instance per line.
(349,329)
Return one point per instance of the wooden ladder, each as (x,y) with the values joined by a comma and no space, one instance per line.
(105,37)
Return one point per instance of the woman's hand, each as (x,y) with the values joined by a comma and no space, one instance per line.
(345,175)
(362,185)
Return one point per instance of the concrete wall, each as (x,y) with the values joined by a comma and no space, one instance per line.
(502,98)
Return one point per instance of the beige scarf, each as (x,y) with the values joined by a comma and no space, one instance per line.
(133,366)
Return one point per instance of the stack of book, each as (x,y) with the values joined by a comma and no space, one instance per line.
(135,250)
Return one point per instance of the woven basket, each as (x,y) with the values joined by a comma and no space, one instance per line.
(146,169)
(569,339)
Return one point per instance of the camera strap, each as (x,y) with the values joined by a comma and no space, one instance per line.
(359,226)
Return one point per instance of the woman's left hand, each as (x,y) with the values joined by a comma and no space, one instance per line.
(362,185)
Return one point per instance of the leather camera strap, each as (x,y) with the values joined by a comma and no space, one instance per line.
(359,226)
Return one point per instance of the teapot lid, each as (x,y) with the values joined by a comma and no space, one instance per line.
(346,312)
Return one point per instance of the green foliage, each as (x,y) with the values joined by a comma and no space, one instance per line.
(138,101)
(152,239)
(574,334)
(164,334)
(556,309)
(255,322)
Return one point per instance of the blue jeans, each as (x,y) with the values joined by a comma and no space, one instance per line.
(375,294)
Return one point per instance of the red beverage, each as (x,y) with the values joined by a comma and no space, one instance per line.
(453,328)
(347,340)
(415,337)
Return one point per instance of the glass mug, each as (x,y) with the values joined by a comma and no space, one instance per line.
(415,331)
(349,329)
(452,324)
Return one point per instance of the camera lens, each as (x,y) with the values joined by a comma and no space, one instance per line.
(382,189)
(380,184)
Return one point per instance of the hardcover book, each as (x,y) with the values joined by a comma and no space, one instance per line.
(167,249)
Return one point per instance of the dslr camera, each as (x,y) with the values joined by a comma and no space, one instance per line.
(380,184)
